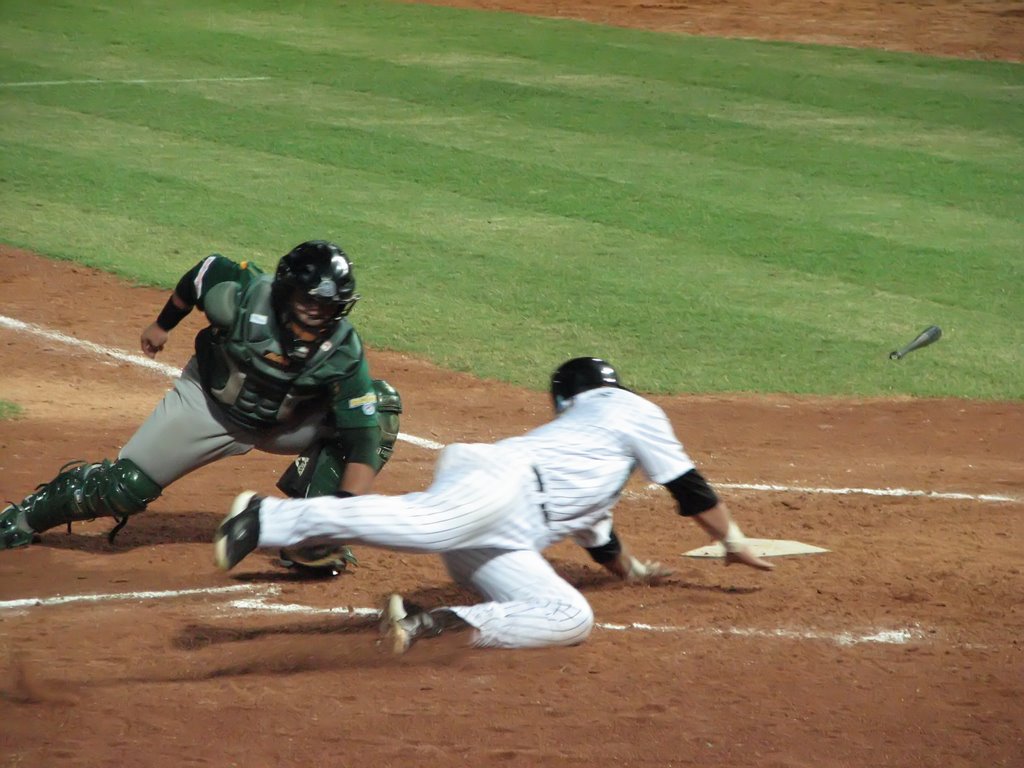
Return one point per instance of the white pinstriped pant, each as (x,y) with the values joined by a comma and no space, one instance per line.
(483,516)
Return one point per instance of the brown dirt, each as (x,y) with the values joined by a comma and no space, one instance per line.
(190,681)
(973,29)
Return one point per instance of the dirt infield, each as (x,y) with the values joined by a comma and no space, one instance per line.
(900,647)
(975,29)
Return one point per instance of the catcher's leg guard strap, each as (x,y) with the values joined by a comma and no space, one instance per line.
(117,489)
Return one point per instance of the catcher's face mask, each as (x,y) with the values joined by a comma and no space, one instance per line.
(312,311)
(313,277)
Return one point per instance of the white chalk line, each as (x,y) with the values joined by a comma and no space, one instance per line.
(143,362)
(260,602)
(993,497)
(422,442)
(131,81)
(41,602)
(897,492)
(885,636)
(98,349)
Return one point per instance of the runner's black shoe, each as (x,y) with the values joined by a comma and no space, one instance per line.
(239,532)
(402,624)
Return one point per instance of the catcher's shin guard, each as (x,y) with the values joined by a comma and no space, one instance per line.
(14,531)
(317,472)
(107,489)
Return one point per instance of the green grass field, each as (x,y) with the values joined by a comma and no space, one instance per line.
(710,215)
(9,410)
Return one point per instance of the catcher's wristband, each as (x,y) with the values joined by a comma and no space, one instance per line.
(171,315)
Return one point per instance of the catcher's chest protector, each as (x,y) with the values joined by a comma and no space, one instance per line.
(246,369)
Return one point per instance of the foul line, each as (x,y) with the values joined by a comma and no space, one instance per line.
(995,497)
(35,83)
(259,603)
(906,492)
(35,602)
(885,636)
(172,372)
(143,362)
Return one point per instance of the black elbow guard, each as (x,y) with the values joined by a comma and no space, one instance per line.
(692,493)
(606,552)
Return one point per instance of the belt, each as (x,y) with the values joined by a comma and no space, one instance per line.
(540,487)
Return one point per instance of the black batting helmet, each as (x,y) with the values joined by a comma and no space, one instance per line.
(322,271)
(579,375)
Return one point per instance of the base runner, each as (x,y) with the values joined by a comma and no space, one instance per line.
(493,508)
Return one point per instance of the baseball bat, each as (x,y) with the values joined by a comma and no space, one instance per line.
(929,335)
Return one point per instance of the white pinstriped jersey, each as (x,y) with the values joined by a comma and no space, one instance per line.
(486,517)
(585,456)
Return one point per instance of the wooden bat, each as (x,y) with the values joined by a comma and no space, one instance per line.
(929,335)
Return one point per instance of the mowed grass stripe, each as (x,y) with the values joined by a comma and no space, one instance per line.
(702,113)
(660,360)
(515,44)
(864,168)
(690,178)
(654,182)
(757,134)
(512,241)
(696,202)
(828,79)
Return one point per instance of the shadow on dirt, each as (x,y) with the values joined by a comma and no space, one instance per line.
(143,530)
(197,636)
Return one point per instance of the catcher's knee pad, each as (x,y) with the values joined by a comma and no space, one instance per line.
(107,489)
(389,407)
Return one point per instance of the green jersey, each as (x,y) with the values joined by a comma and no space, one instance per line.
(245,365)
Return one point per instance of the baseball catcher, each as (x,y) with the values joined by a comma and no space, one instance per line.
(279,368)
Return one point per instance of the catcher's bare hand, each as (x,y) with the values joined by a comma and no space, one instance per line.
(153,340)
(746,557)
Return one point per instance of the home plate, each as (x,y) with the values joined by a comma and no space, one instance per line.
(761,548)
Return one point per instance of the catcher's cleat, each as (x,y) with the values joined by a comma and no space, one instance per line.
(403,624)
(239,532)
(14,532)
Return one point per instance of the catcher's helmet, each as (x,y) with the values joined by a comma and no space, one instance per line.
(579,375)
(321,271)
